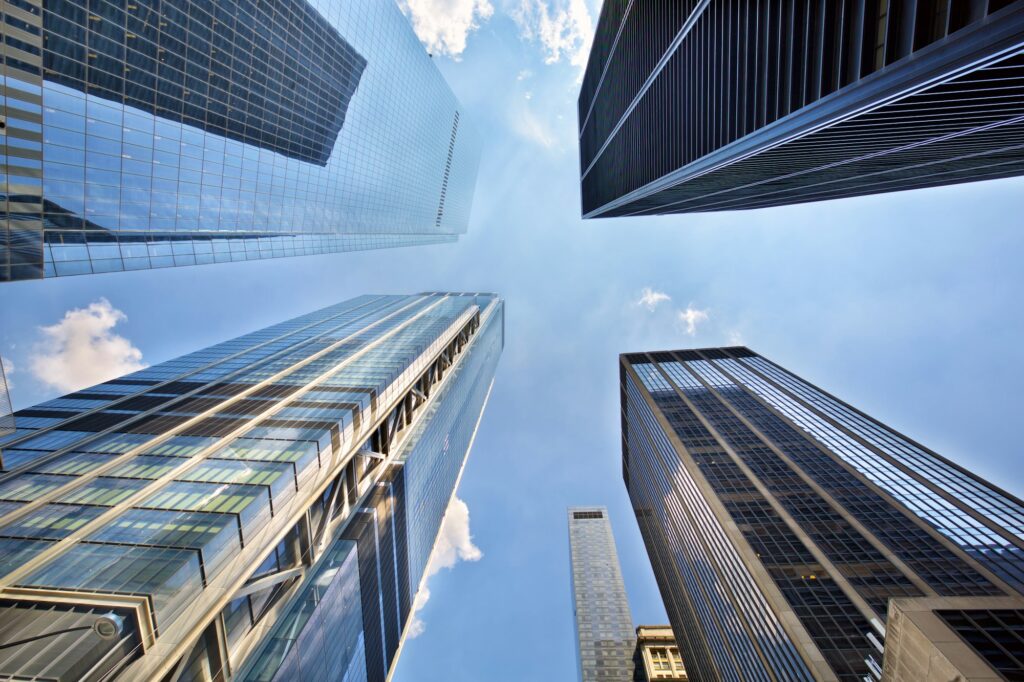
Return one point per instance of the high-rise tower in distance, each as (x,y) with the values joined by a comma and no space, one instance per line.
(795,538)
(604,625)
(259,510)
(176,132)
(714,105)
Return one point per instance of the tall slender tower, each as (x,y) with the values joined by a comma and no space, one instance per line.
(150,134)
(795,538)
(716,105)
(263,509)
(604,624)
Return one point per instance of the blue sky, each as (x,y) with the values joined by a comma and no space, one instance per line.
(907,305)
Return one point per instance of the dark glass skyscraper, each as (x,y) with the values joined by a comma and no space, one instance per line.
(604,625)
(712,105)
(785,527)
(263,509)
(157,133)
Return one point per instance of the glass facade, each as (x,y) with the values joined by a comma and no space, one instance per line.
(997,636)
(604,626)
(6,416)
(238,506)
(174,132)
(767,104)
(830,513)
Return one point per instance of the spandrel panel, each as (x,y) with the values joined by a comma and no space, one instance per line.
(250,503)
(214,535)
(51,522)
(28,487)
(14,552)
(102,491)
(169,576)
(302,455)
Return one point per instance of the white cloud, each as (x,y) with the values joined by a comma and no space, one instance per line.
(82,349)
(691,317)
(562,27)
(454,543)
(649,298)
(735,338)
(444,25)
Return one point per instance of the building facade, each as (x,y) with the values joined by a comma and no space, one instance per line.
(6,415)
(262,509)
(604,624)
(768,104)
(784,525)
(657,656)
(973,639)
(154,134)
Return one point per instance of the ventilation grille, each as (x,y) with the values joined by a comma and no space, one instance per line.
(447,170)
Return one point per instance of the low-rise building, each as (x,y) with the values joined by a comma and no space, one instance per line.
(657,656)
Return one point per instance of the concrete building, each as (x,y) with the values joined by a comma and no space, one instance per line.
(974,639)
(785,527)
(657,656)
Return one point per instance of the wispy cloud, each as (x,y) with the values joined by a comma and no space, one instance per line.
(82,349)
(531,127)
(649,298)
(691,317)
(735,338)
(563,28)
(454,543)
(444,25)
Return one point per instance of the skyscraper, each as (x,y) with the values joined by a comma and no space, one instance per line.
(713,105)
(262,509)
(154,134)
(604,625)
(785,527)
(6,416)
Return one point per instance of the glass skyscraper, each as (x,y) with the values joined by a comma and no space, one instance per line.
(6,417)
(714,105)
(158,133)
(604,625)
(786,528)
(262,509)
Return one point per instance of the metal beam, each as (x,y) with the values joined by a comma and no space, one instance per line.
(269,581)
(326,517)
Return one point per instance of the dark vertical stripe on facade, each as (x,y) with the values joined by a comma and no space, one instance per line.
(405,589)
(362,530)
